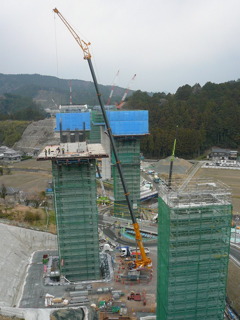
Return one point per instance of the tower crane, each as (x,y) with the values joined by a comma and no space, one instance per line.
(144,261)
(121,103)
(112,89)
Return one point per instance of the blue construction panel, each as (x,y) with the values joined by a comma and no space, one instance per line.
(73,121)
(128,122)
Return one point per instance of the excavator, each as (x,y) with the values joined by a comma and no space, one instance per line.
(144,261)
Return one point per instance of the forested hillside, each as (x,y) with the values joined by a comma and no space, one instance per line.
(48,91)
(11,131)
(206,116)
(15,107)
(16,112)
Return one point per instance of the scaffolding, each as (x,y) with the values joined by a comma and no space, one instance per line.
(77,219)
(193,249)
(128,149)
(96,122)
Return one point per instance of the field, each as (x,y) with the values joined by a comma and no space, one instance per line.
(32,176)
(229,177)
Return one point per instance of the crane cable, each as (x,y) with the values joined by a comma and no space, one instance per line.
(56,53)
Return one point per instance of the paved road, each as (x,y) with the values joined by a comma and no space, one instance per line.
(235,252)
(145,226)
(34,290)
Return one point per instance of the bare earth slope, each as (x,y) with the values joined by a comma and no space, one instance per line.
(37,135)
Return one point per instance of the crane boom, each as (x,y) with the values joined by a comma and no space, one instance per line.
(84,45)
(144,261)
(121,103)
(112,89)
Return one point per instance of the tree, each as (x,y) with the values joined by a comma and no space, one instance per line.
(184,92)
(3,192)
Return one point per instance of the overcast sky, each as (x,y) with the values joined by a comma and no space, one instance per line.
(167,43)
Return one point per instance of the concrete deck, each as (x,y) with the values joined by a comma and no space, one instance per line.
(75,150)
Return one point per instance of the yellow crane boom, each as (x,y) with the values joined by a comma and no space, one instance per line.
(84,45)
(144,261)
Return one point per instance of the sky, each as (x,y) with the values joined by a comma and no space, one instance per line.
(166,43)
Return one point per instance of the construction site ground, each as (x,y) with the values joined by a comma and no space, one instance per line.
(18,244)
(35,291)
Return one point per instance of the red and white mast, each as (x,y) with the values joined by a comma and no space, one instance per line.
(119,106)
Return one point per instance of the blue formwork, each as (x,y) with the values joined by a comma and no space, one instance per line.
(125,123)
(73,121)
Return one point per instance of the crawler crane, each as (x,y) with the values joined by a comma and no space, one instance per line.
(144,262)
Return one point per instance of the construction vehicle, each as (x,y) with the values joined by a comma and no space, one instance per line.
(126,251)
(134,296)
(156,178)
(144,262)
(122,102)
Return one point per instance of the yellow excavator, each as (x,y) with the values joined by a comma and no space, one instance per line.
(144,261)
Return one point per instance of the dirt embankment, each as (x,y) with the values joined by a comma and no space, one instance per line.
(180,166)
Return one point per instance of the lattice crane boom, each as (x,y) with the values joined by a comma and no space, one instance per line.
(84,45)
(121,103)
(112,89)
(144,261)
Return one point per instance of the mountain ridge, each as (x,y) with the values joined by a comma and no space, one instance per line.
(51,90)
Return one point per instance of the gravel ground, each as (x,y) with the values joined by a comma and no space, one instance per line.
(180,167)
